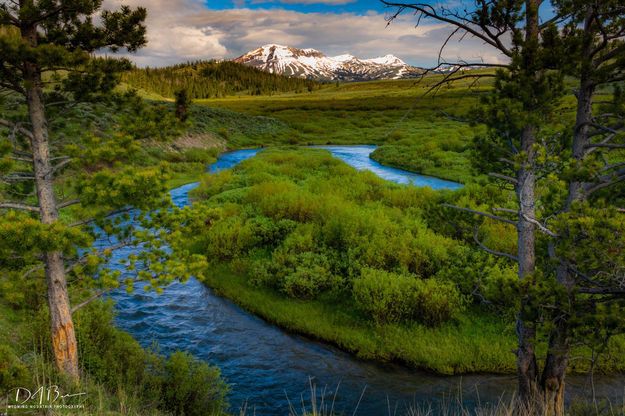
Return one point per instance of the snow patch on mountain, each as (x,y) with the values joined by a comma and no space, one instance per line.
(310,63)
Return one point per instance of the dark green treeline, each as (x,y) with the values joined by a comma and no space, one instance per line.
(210,79)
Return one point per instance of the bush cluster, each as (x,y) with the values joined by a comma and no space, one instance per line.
(304,223)
(390,297)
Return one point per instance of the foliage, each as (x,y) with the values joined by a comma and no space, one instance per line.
(191,387)
(118,375)
(305,224)
(179,385)
(428,135)
(182,104)
(390,297)
(13,372)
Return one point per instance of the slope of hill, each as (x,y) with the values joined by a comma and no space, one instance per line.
(312,64)
(210,79)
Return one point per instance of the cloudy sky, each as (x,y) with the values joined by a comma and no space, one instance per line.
(182,30)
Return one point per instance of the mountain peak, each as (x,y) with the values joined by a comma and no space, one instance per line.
(387,60)
(310,63)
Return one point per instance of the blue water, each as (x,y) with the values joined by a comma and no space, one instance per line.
(268,368)
(358,157)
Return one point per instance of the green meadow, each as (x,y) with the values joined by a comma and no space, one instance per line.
(418,130)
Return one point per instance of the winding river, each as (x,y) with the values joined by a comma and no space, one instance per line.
(268,369)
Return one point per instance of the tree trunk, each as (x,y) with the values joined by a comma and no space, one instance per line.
(64,345)
(556,363)
(583,119)
(526,331)
(527,371)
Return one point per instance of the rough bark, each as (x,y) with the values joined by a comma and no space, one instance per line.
(526,330)
(556,362)
(554,372)
(527,371)
(64,345)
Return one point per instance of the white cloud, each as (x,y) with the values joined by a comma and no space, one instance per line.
(180,30)
(170,38)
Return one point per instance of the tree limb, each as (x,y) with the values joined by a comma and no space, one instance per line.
(461,23)
(606,145)
(540,226)
(491,251)
(483,214)
(602,290)
(504,177)
(18,206)
(89,300)
(68,203)
(11,125)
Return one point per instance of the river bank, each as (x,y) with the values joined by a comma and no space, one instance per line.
(476,343)
(268,367)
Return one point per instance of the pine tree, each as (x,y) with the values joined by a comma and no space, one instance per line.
(570,290)
(46,37)
(182,104)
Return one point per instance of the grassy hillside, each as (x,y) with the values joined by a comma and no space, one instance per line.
(422,133)
(417,131)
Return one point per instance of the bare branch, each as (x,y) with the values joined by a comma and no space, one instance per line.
(462,23)
(89,300)
(491,251)
(483,214)
(606,145)
(21,159)
(508,210)
(66,161)
(540,225)
(68,203)
(32,270)
(596,187)
(504,177)
(11,125)
(18,206)
(602,290)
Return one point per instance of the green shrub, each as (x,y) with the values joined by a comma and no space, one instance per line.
(390,298)
(196,154)
(213,184)
(180,384)
(299,275)
(23,290)
(111,356)
(191,387)
(310,277)
(230,238)
(13,372)
(438,302)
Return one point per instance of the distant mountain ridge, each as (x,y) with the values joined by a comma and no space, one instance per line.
(312,64)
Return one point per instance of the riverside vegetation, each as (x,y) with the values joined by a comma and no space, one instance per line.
(114,367)
(280,226)
(317,247)
(299,237)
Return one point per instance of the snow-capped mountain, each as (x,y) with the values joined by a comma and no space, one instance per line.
(310,63)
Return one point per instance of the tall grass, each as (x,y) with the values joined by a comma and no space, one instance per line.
(317,403)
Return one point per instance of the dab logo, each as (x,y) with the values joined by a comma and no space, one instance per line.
(43,397)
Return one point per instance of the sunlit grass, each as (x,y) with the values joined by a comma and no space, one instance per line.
(477,342)
(417,132)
